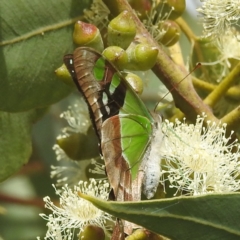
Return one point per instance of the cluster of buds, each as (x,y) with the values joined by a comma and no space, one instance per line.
(160,21)
(119,41)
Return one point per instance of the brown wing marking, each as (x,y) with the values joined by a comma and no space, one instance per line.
(117,168)
(93,90)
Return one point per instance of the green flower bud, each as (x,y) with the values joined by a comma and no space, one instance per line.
(171,8)
(178,6)
(121,30)
(141,57)
(144,234)
(142,7)
(64,75)
(79,146)
(172,33)
(91,232)
(139,234)
(117,56)
(86,34)
(135,81)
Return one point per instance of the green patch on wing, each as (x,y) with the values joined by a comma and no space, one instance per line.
(134,105)
(98,70)
(116,80)
(136,131)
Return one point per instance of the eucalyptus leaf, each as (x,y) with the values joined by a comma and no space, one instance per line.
(15,141)
(34,37)
(210,217)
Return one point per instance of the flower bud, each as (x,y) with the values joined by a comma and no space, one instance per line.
(79,146)
(141,57)
(121,30)
(172,33)
(86,34)
(117,56)
(63,73)
(135,81)
(172,9)
(92,232)
(139,234)
(142,7)
(144,234)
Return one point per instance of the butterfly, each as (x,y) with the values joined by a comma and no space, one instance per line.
(129,135)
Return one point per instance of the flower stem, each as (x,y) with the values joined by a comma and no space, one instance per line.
(193,39)
(37,202)
(186,29)
(232,93)
(232,119)
(223,87)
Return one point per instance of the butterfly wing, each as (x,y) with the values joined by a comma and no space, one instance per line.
(122,122)
(125,139)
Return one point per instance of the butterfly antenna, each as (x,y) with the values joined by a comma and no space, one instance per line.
(196,67)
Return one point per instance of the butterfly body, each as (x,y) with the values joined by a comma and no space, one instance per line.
(122,122)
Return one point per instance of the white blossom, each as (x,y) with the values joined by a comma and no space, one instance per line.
(77,117)
(228,49)
(69,171)
(200,160)
(218,16)
(154,20)
(230,45)
(74,213)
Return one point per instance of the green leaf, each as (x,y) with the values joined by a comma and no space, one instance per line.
(34,36)
(15,141)
(210,217)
